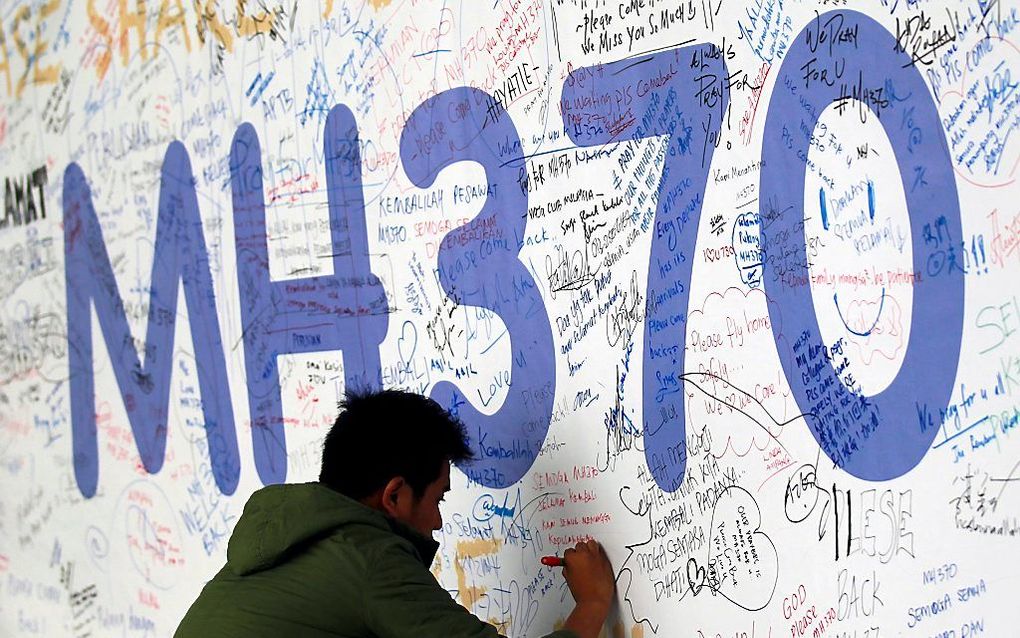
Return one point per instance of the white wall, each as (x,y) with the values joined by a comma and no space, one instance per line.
(746,313)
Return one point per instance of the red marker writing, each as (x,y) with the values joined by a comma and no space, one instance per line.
(553,561)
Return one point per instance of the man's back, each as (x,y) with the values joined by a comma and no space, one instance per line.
(349,555)
(305,560)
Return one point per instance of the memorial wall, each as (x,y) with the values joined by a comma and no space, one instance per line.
(731,287)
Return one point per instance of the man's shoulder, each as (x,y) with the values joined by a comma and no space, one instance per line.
(367,544)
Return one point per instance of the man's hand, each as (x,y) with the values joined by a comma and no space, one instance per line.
(592,584)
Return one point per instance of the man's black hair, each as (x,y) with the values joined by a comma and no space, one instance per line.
(383,434)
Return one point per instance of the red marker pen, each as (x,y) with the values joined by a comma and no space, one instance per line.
(553,561)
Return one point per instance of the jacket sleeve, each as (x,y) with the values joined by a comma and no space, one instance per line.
(402,599)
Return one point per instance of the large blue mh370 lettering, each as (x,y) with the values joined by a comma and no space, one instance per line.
(681,95)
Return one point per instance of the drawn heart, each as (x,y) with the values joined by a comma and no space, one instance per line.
(696,576)
(407,344)
(743,564)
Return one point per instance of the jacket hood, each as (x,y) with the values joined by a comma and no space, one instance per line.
(279,520)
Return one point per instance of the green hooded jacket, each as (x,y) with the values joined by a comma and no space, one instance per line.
(305,561)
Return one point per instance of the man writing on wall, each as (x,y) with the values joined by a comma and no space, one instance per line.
(350,555)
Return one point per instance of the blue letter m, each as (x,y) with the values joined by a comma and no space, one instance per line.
(180,256)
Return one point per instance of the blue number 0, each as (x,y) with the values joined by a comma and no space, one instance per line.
(846,56)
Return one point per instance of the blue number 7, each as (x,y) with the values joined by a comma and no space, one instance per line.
(681,93)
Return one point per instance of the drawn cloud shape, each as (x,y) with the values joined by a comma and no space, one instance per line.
(743,565)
